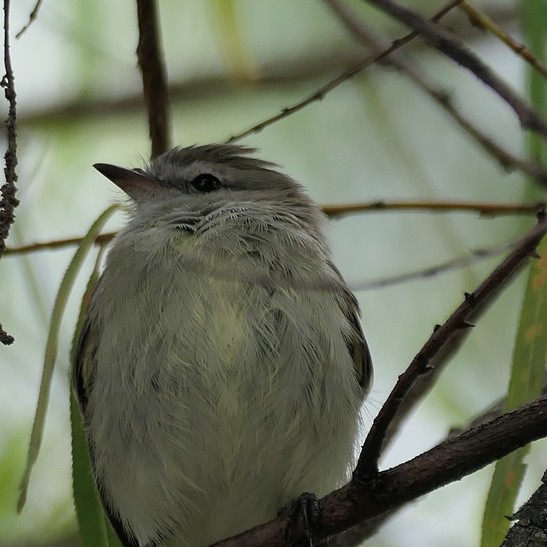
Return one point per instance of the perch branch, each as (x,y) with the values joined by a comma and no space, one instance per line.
(449,461)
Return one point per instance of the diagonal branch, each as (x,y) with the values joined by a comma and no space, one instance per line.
(423,365)
(440,96)
(456,50)
(32,17)
(334,83)
(481,20)
(154,78)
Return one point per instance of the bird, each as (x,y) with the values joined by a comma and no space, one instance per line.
(221,365)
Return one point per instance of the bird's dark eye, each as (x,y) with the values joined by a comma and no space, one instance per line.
(206,183)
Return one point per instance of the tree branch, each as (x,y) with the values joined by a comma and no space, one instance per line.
(481,20)
(9,202)
(441,97)
(334,83)
(483,208)
(32,17)
(336,211)
(456,50)
(530,530)
(154,79)
(449,461)
(402,398)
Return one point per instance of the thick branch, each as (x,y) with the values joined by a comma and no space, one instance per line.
(154,79)
(447,462)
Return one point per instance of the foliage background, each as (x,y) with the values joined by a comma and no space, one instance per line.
(232,64)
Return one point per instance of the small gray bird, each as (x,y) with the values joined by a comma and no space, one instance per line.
(221,366)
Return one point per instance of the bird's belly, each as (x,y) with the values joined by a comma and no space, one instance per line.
(216,421)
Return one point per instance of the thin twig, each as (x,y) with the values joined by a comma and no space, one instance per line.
(456,50)
(473,304)
(154,79)
(57,244)
(483,208)
(336,211)
(334,83)
(9,202)
(449,461)
(482,20)
(428,272)
(401,62)
(33,15)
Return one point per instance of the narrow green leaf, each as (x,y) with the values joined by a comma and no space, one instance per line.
(526,382)
(89,511)
(534,23)
(530,351)
(233,43)
(95,530)
(52,344)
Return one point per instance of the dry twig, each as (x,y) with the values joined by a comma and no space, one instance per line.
(481,20)
(474,304)
(334,83)
(32,17)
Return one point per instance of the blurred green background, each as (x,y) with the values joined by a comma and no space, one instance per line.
(232,64)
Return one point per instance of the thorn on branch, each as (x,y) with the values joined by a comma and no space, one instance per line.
(5,338)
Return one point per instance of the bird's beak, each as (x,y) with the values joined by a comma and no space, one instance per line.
(133,183)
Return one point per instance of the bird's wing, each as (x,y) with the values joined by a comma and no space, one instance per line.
(355,340)
(83,378)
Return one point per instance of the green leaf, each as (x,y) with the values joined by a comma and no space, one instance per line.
(530,351)
(89,511)
(95,530)
(534,23)
(526,383)
(232,40)
(50,356)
